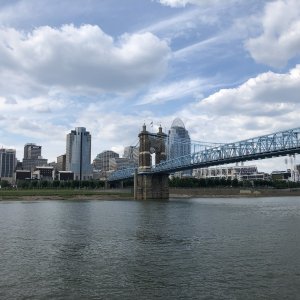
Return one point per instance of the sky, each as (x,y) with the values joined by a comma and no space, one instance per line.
(228,68)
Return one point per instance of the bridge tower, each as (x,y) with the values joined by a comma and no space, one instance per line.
(148,185)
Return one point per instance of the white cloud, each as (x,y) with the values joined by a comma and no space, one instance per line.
(263,104)
(173,91)
(280,40)
(84,57)
(183,3)
(267,94)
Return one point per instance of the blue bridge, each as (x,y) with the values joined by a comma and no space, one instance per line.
(266,146)
(203,155)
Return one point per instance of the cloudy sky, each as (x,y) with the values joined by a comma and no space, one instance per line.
(229,69)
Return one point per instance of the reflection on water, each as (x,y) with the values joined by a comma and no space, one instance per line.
(180,249)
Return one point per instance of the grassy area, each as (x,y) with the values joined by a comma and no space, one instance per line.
(61,193)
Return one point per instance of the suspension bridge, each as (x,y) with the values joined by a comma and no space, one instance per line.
(200,155)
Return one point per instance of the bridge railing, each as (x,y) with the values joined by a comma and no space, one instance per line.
(280,143)
(121,174)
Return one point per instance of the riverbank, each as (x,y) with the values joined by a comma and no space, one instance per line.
(65,194)
(231,192)
(126,194)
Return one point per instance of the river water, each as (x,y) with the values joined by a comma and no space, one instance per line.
(180,249)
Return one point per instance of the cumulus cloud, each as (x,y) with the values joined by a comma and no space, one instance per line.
(280,40)
(49,74)
(86,57)
(263,104)
(267,94)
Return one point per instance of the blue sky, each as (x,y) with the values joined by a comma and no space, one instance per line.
(229,69)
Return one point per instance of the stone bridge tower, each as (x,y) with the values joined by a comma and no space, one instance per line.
(148,185)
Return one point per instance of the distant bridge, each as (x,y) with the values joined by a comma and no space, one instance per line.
(272,145)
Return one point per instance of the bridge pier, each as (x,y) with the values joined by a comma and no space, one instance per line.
(152,187)
(146,184)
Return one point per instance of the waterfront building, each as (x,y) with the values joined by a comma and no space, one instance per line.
(231,172)
(44,173)
(61,163)
(23,175)
(32,151)
(33,157)
(119,163)
(101,162)
(178,143)
(78,153)
(282,175)
(65,175)
(31,164)
(7,163)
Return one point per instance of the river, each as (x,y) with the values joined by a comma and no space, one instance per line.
(213,248)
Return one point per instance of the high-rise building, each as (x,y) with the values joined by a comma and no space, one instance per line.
(78,153)
(61,163)
(7,163)
(101,162)
(179,142)
(32,151)
(33,157)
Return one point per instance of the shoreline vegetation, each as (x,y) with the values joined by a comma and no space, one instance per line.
(179,188)
(127,193)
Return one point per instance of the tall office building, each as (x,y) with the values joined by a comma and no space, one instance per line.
(33,157)
(61,163)
(78,153)
(7,163)
(178,143)
(32,151)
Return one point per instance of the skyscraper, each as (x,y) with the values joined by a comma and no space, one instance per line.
(7,163)
(78,153)
(179,142)
(32,151)
(33,157)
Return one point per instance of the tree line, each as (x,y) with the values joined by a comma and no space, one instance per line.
(223,182)
(173,182)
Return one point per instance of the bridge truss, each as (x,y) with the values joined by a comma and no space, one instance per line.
(266,146)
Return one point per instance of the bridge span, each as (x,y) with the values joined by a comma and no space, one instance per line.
(272,145)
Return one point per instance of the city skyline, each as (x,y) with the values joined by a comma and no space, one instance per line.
(229,70)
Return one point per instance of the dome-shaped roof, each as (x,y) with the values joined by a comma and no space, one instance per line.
(177,123)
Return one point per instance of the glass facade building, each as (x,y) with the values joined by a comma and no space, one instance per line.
(78,153)
(179,142)
(7,163)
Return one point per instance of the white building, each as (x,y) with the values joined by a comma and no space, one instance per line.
(231,172)
(78,153)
